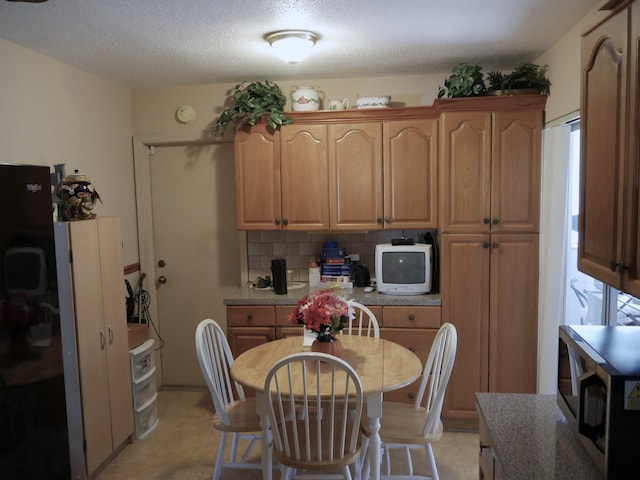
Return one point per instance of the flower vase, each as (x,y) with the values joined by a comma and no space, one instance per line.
(332,347)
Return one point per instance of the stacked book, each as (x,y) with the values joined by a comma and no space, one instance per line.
(335,268)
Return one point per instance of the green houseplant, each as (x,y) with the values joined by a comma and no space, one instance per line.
(251,102)
(464,81)
(527,76)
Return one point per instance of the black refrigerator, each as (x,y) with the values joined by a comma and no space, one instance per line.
(40,412)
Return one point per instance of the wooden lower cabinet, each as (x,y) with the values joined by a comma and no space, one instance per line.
(489,286)
(489,466)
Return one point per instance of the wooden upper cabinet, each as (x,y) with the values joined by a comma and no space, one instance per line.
(516,160)
(257,162)
(355,176)
(410,173)
(304,175)
(465,172)
(490,171)
(603,123)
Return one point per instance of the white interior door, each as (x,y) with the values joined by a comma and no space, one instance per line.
(197,248)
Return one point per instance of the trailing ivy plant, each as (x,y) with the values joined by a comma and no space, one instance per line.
(464,81)
(251,102)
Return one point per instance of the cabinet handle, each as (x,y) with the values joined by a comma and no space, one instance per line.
(277,221)
(249,316)
(412,316)
(620,267)
(379,220)
(285,222)
(110,335)
(102,340)
(486,221)
(496,221)
(387,219)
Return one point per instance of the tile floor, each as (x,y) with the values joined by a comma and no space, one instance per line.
(184,444)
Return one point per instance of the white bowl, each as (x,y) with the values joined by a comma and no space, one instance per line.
(373,102)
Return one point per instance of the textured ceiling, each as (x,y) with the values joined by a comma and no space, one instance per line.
(166,42)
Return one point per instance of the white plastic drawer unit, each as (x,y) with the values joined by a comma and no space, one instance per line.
(147,418)
(142,360)
(144,389)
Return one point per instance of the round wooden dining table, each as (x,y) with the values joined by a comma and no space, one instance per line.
(382,366)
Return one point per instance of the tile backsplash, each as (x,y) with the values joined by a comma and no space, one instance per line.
(298,248)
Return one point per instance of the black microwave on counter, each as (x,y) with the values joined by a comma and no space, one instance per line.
(599,393)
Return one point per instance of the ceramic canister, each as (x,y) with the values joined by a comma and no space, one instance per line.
(304,99)
(77,197)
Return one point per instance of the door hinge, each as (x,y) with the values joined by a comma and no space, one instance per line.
(152,150)
(70,256)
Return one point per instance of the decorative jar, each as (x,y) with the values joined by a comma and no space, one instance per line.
(332,347)
(304,99)
(77,197)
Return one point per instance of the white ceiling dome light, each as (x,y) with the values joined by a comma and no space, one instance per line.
(292,46)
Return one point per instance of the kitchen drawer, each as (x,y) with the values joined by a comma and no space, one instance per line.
(251,316)
(411,317)
(147,418)
(144,389)
(142,360)
(417,340)
(282,312)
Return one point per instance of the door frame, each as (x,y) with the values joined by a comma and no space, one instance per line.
(143,150)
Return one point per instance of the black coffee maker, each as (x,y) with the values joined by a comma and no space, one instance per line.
(279,274)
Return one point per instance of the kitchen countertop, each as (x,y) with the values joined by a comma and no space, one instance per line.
(531,438)
(247,295)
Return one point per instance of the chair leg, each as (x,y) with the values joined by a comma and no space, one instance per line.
(431,461)
(220,457)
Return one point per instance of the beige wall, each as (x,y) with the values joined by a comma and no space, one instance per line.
(53,113)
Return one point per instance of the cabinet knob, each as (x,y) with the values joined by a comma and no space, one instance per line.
(412,395)
(387,219)
(277,221)
(495,245)
(411,349)
(162,279)
(496,221)
(379,220)
(285,222)
(485,245)
(486,221)
(249,316)
(412,316)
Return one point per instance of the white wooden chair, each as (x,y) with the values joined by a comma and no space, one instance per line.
(233,412)
(324,435)
(365,324)
(407,426)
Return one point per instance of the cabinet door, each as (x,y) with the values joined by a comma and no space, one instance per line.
(464,287)
(115,316)
(410,174)
(242,339)
(632,218)
(465,176)
(92,341)
(355,176)
(513,326)
(602,126)
(516,171)
(304,176)
(257,162)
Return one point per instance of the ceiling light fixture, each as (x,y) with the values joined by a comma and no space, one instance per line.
(292,46)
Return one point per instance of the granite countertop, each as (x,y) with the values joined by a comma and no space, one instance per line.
(247,295)
(532,439)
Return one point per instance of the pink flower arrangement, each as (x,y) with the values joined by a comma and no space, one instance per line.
(322,312)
